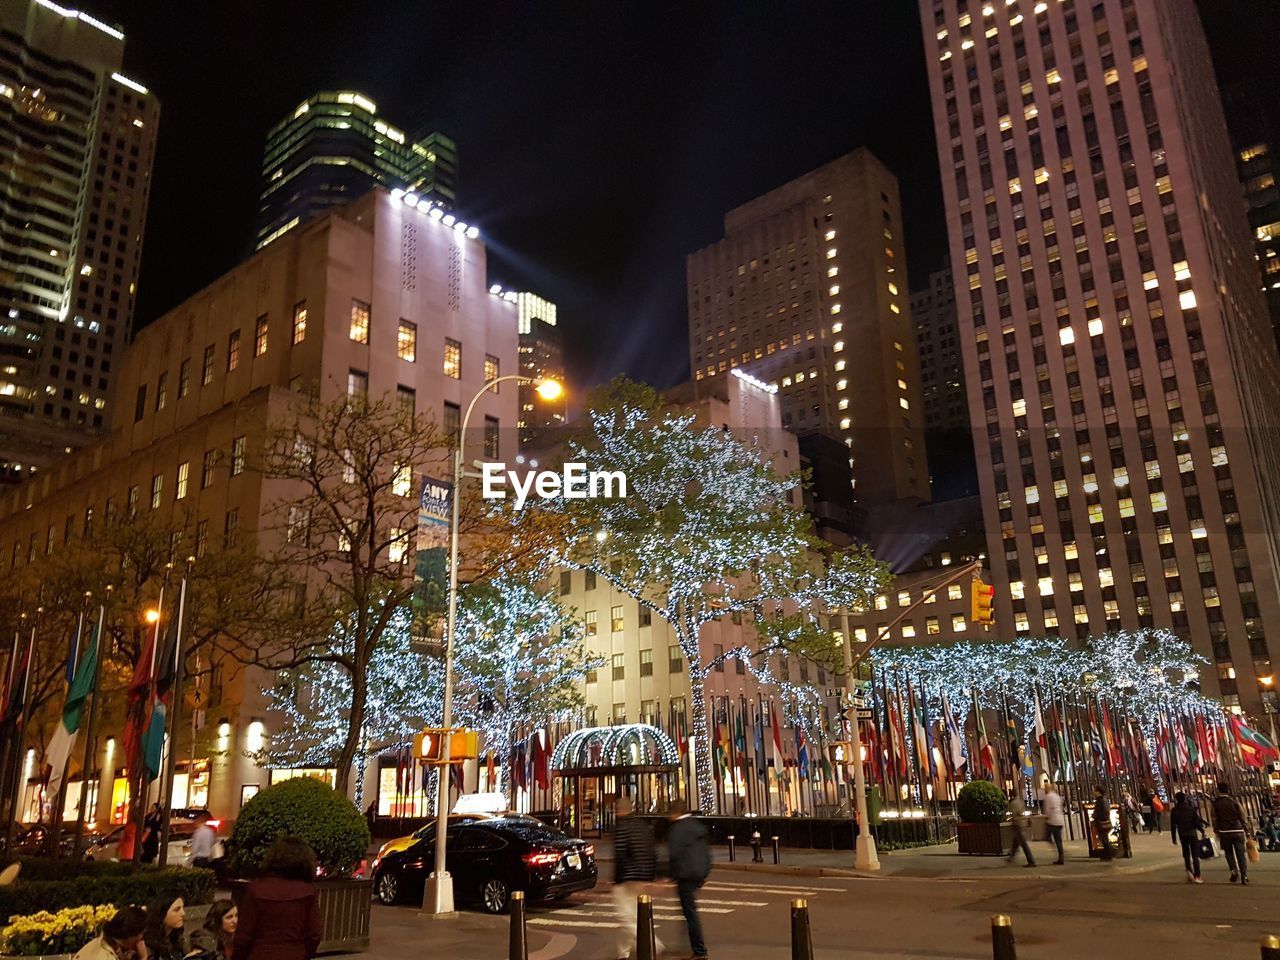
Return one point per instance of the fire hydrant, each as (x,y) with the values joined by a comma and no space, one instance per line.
(757,854)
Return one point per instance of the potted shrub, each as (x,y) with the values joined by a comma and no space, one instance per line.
(980,806)
(337,832)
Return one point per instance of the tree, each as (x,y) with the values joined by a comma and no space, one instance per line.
(708,529)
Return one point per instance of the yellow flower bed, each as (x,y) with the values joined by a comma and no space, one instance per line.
(63,932)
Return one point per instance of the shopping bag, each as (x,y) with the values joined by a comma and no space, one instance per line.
(1251,850)
(1205,847)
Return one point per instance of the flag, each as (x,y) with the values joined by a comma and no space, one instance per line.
(897,742)
(166,671)
(138,706)
(1113,752)
(1095,737)
(986,756)
(1209,732)
(541,761)
(955,742)
(1042,738)
(919,733)
(1255,749)
(740,740)
(720,763)
(802,753)
(64,735)
(779,762)
(15,691)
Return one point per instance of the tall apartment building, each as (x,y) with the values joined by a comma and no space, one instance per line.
(76,147)
(1254,138)
(933,311)
(541,355)
(808,291)
(332,149)
(376,297)
(1120,365)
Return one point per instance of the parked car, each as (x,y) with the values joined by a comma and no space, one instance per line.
(488,859)
(180,830)
(33,841)
(427,829)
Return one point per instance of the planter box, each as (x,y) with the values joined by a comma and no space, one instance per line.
(43,956)
(345,906)
(984,839)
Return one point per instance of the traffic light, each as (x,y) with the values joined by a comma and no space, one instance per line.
(981,597)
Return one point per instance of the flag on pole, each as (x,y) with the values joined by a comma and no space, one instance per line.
(138,708)
(64,735)
(802,753)
(15,688)
(986,756)
(1255,749)
(779,761)
(954,740)
(740,739)
(166,672)
(1042,739)
(761,765)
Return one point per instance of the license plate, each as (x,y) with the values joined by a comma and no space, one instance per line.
(575,861)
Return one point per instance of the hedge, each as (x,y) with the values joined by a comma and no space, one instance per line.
(980,801)
(104,886)
(306,808)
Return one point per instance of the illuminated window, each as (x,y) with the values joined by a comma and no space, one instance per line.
(882,601)
(299,321)
(452,359)
(359,321)
(184,472)
(1020,408)
(615,619)
(260,336)
(902,402)
(237,455)
(491,372)
(1095,327)
(1045,586)
(157,485)
(957,623)
(831,253)
(955,592)
(206,367)
(402,480)
(592,623)
(398,545)
(233,350)
(1187,300)
(407,341)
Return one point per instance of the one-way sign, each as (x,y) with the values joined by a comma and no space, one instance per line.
(860,713)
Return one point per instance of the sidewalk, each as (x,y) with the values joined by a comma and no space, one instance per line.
(1151,853)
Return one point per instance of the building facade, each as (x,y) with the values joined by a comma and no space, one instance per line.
(76,149)
(944,403)
(332,150)
(541,357)
(1119,361)
(376,297)
(808,291)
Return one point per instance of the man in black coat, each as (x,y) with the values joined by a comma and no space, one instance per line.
(689,850)
(635,861)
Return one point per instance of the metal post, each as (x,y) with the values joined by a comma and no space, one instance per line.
(646,941)
(731,849)
(801,940)
(756,855)
(1002,938)
(175,704)
(775,850)
(91,732)
(519,942)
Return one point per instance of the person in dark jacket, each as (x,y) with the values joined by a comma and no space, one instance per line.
(689,850)
(214,939)
(1186,824)
(280,912)
(151,827)
(166,919)
(1102,822)
(1229,823)
(635,861)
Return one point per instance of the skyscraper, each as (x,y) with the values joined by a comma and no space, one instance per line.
(332,149)
(76,146)
(541,355)
(1120,365)
(808,291)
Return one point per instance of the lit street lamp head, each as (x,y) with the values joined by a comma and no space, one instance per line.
(549,389)
(152,615)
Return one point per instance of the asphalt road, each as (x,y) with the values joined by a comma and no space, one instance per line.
(1098,911)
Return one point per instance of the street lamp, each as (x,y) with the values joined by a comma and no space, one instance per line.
(438,896)
(152,615)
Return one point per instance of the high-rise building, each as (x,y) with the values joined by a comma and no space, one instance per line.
(541,355)
(808,291)
(332,149)
(1254,138)
(933,310)
(76,148)
(1121,369)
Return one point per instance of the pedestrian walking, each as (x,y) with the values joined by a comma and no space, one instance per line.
(1231,827)
(635,861)
(164,936)
(203,841)
(214,939)
(1131,811)
(1102,822)
(1021,827)
(280,912)
(1054,819)
(1186,825)
(121,938)
(689,851)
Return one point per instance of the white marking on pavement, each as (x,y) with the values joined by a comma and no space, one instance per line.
(750,886)
(811,891)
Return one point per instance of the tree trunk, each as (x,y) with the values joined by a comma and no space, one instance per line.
(355,725)
(701,739)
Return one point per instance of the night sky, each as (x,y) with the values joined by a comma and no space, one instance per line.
(599,141)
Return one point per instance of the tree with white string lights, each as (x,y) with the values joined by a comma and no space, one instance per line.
(709,528)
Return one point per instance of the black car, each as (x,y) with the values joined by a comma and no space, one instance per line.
(488,859)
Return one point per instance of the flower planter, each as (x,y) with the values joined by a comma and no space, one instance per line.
(43,956)
(345,907)
(984,839)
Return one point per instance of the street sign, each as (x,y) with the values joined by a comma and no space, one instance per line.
(865,713)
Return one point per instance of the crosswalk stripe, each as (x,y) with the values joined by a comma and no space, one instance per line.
(794,891)
(547,922)
(751,886)
(660,913)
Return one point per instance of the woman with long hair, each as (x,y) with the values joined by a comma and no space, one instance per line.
(280,911)
(121,938)
(164,937)
(214,940)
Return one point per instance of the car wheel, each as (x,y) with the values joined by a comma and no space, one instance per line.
(495,895)
(387,888)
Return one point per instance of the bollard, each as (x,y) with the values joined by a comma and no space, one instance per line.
(757,856)
(1002,938)
(732,851)
(519,943)
(1270,947)
(776,859)
(801,941)
(646,943)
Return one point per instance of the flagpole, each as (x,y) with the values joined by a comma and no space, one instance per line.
(56,807)
(138,778)
(175,691)
(22,733)
(86,766)
(6,709)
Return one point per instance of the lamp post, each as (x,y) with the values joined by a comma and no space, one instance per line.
(438,896)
